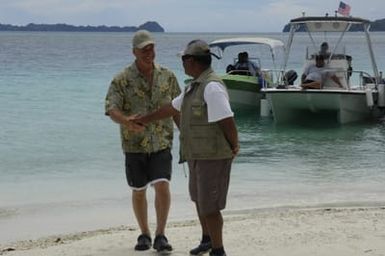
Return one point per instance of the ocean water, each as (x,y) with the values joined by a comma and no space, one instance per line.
(61,165)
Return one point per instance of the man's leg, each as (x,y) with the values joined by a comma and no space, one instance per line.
(202,221)
(162,205)
(214,177)
(139,203)
(205,243)
(137,180)
(214,222)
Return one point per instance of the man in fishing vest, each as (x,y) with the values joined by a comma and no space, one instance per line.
(208,142)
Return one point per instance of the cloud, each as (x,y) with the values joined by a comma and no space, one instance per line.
(47,8)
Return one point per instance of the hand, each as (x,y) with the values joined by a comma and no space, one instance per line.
(132,125)
(235,150)
(140,119)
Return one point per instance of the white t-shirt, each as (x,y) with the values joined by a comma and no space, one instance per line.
(217,100)
(315,73)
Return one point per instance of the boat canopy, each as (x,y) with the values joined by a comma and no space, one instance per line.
(273,44)
(328,23)
(224,43)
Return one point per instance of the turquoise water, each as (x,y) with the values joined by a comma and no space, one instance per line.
(61,165)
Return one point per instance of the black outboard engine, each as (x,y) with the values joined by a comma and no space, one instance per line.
(289,77)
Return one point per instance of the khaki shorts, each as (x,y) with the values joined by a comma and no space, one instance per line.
(209,184)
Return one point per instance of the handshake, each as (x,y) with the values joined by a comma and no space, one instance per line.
(135,123)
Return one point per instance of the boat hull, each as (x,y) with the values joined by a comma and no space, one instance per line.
(244,91)
(341,105)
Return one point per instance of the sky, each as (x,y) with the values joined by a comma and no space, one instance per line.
(180,15)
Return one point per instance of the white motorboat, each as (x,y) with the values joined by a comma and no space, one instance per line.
(245,88)
(358,99)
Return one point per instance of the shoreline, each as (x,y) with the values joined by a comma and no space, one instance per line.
(274,231)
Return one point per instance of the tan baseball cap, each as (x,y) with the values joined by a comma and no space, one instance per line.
(197,48)
(141,39)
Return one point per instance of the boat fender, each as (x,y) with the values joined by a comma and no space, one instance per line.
(369,97)
(264,107)
(381,95)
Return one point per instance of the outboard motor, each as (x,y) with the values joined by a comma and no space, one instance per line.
(289,77)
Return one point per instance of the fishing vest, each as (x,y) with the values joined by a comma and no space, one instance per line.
(199,139)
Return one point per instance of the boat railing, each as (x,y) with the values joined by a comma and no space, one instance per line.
(280,78)
(357,79)
(271,77)
(366,79)
(350,79)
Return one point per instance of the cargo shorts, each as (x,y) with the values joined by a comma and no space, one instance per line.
(209,184)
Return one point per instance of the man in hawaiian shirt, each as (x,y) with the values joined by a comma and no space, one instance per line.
(143,87)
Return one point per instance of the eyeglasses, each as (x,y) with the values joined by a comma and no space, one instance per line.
(186,57)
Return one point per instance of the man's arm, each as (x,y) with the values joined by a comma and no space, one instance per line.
(229,129)
(176,119)
(163,112)
(117,116)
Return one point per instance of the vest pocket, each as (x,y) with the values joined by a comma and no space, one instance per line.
(203,143)
(198,114)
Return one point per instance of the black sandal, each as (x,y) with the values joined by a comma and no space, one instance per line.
(161,244)
(144,243)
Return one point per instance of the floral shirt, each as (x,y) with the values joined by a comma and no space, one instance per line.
(130,93)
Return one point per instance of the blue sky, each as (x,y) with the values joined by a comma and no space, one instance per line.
(180,15)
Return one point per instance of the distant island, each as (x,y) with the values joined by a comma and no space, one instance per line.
(151,26)
(377,25)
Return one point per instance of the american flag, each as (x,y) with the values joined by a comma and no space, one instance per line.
(344,9)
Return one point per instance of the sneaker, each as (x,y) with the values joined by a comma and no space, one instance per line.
(201,249)
(161,244)
(144,243)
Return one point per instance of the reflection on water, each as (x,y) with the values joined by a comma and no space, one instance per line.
(311,146)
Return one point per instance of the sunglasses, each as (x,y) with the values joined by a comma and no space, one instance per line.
(186,57)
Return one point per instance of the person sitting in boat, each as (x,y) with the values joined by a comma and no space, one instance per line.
(244,63)
(315,74)
(324,50)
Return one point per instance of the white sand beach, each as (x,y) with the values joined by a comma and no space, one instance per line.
(348,231)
